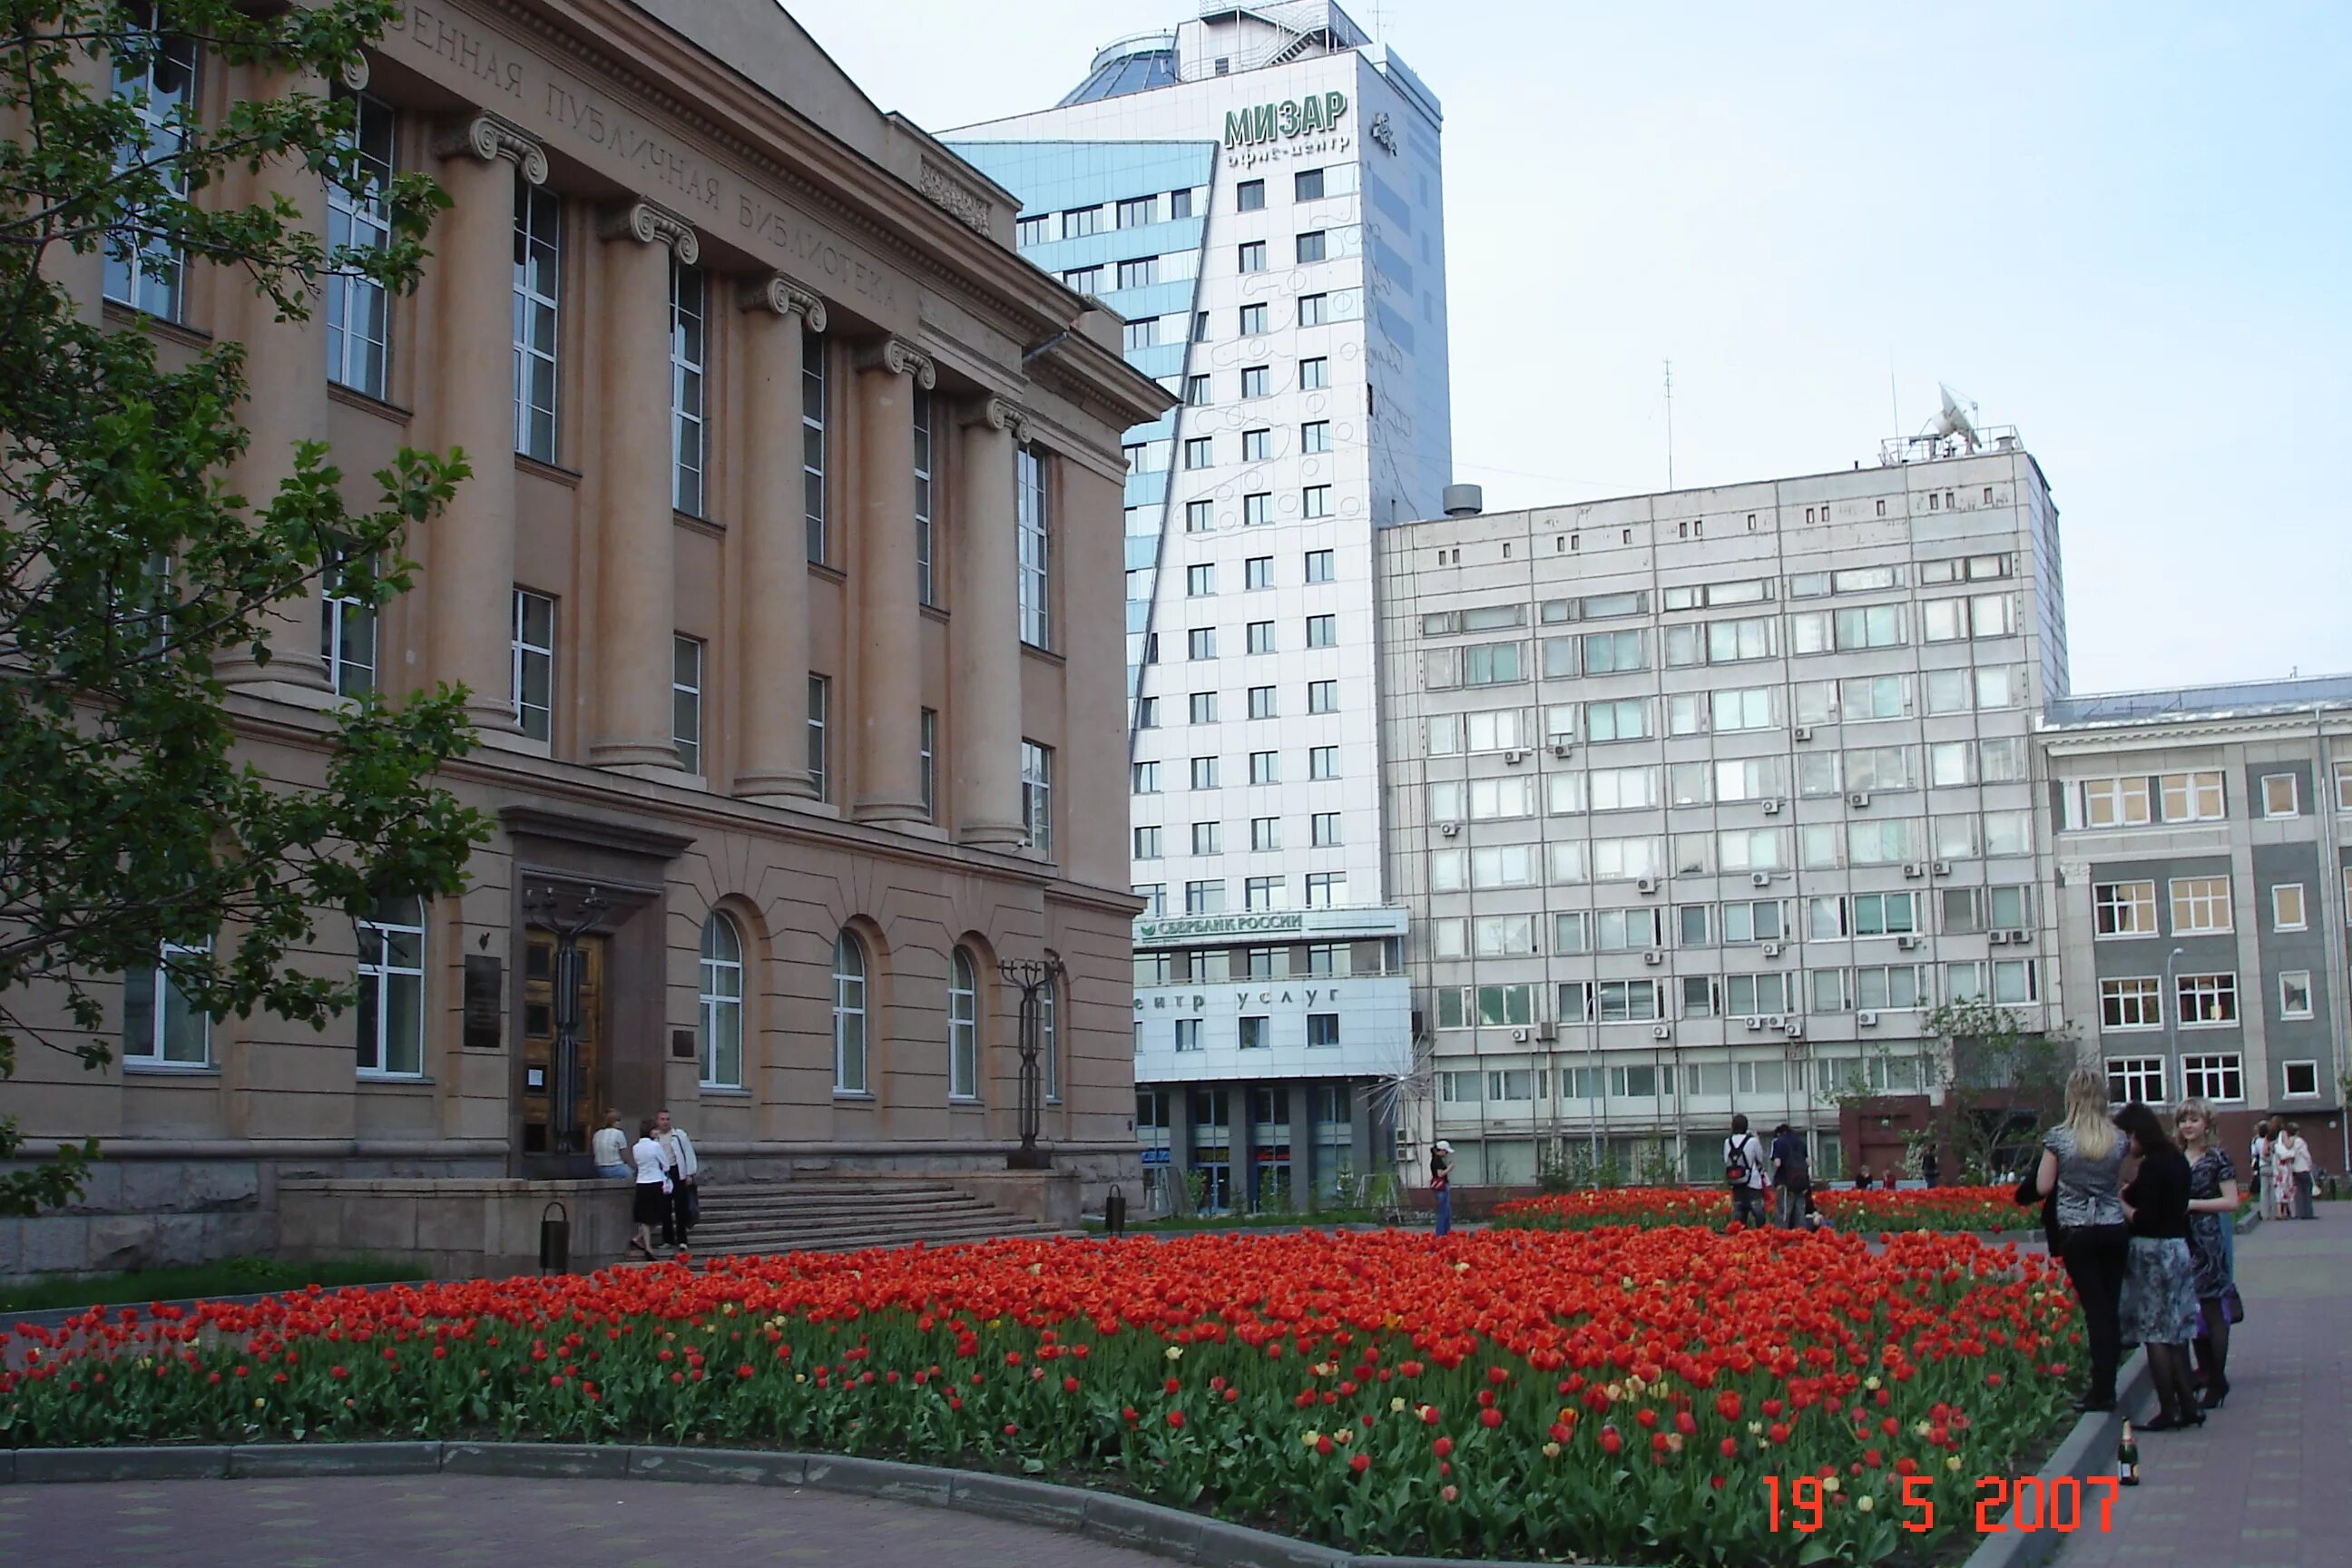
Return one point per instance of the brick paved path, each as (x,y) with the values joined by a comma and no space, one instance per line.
(2266,1484)
(465,1521)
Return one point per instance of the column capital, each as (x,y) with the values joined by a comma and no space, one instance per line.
(996,414)
(779,294)
(649,223)
(900,358)
(488,138)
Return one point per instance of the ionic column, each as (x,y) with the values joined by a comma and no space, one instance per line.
(636,572)
(984,632)
(775,684)
(888,709)
(470,581)
(285,380)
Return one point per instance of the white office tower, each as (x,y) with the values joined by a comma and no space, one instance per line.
(1258,192)
(1703,802)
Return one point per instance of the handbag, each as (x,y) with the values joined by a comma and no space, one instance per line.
(2233,1304)
(693,1203)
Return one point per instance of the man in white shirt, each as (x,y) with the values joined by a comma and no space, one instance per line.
(1743,1168)
(677,1154)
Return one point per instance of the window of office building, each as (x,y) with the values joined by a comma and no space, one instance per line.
(1312,246)
(2220,1077)
(390,1011)
(688,432)
(358,307)
(538,281)
(1037,795)
(533,670)
(2207,999)
(686,701)
(2200,906)
(147,273)
(1253,256)
(1035,527)
(2191,797)
(812,388)
(347,635)
(2123,909)
(1316,373)
(160,1028)
(721,1003)
(820,700)
(2131,1002)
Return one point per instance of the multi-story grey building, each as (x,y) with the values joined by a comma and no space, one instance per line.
(2204,878)
(1703,801)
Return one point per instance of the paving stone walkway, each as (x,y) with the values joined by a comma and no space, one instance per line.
(465,1521)
(2266,1483)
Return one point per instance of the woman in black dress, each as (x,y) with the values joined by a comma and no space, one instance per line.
(2160,1301)
(2212,1210)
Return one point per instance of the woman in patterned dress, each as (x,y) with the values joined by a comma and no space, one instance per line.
(2160,1301)
(2212,1208)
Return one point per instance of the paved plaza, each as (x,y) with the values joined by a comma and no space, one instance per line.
(465,1521)
(2266,1483)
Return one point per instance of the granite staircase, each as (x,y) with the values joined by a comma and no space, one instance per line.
(841,1213)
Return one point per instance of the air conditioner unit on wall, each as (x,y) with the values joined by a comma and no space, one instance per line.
(1998,938)
(1515,757)
(1662,1031)
(1646,885)
(1771,950)
(1913,869)
(1907,941)
(1943,867)
(1653,957)
(1867,1020)
(1449,828)
(1561,749)
(1771,808)
(1547,1031)
(1858,799)
(1760,878)
(1795,1028)
(1804,732)
(2020,937)
(1518,1036)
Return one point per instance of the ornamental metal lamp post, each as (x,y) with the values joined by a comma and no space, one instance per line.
(571,973)
(1036,978)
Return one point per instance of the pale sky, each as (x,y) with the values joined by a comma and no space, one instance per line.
(2122,228)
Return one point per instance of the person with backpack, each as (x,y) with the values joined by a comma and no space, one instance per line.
(1792,1178)
(1743,1171)
(1441,1183)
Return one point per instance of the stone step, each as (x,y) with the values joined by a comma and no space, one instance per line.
(842,1213)
(716,1238)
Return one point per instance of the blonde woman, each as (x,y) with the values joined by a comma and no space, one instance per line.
(2082,1163)
(2212,1201)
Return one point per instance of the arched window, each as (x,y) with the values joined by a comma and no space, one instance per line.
(848,1015)
(722,1003)
(1049,1042)
(963,1027)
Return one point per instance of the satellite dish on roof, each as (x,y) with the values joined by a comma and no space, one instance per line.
(1954,419)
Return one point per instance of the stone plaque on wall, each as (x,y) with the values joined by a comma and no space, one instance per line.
(486,1002)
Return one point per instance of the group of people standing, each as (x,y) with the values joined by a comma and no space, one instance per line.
(1786,1174)
(2140,1216)
(2284,1160)
(663,1166)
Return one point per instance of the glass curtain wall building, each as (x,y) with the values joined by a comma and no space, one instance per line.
(1258,192)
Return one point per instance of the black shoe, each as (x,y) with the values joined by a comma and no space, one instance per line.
(2090,1406)
(2218,1392)
(2167,1421)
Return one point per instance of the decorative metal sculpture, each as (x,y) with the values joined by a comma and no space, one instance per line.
(1036,979)
(565,1136)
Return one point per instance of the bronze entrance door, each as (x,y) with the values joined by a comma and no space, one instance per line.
(564,1092)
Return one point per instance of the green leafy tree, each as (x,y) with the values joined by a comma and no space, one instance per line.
(2001,1083)
(130,566)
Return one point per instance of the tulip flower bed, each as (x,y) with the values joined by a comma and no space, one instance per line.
(1905,1209)
(1625,1394)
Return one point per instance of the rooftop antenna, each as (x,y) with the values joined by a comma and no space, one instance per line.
(1670,425)
(1954,419)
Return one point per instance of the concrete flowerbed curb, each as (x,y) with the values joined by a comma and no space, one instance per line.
(2088,1449)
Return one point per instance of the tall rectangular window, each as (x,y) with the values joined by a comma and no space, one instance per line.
(820,700)
(1315,436)
(391,1012)
(358,308)
(1253,256)
(1037,795)
(1035,547)
(1312,246)
(686,700)
(930,754)
(689,350)
(926,577)
(534,664)
(1257,380)
(1252,321)
(1314,373)
(1314,502)
(347,629)
(1322,631)
(813,439)
(142,270)
(1319,566)
(538,284)
(1307,185)
(1249,197)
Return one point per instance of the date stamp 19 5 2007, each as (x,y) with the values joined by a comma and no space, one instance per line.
(2029,1502)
